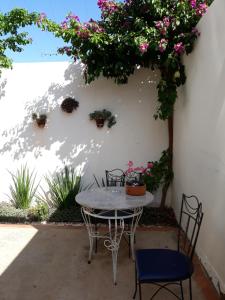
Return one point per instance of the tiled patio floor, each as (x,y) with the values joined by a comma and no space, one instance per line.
(50,263)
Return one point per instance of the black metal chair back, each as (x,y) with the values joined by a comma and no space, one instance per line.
(164,267)
(115,177)
(189,224)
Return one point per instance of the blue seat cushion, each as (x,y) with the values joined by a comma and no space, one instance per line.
(162,265)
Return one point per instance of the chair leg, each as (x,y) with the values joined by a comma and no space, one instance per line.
(190,289)
(129,244)
(132,241)
(135,291)
(96,239)
(140,295)
(181,289)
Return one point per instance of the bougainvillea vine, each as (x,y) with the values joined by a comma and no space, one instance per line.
(131,34)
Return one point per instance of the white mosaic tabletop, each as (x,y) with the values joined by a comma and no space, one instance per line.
(112,198)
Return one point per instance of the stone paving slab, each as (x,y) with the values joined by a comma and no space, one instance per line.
(50,263)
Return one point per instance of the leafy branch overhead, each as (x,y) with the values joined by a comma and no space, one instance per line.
(131,34)
(10,36)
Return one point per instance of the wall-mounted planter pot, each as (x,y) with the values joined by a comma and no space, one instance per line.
(69,105)
(100,123)
(100,116)
(40,119)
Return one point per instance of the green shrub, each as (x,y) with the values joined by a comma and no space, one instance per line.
(10,214)
(40,212)
(23,188)
(67,215)
(63,188)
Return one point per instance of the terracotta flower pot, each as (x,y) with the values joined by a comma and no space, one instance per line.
(136,190)
(41,123)
(100,123)
(68,109)
(69,104)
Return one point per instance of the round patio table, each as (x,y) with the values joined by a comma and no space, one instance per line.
(113,205)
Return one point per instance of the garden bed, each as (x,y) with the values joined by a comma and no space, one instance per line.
(9,214)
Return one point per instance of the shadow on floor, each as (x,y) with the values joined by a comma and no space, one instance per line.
(50,263)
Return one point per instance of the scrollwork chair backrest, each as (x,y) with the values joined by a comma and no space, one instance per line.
(189,225)
(115,177)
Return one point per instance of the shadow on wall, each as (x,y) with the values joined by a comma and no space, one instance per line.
(2,88)
(58,133)
(72,137)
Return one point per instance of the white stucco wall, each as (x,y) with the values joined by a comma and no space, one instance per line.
(72,138)
(199,142)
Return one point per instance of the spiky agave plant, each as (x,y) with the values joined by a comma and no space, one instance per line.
(23,187)
(63,188)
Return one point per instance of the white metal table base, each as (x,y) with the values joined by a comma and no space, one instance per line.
(115,230)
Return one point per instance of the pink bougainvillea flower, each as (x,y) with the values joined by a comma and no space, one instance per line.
(201,9)
(74,17)
(66,50)
(42,16)
(83,34)
(162,45)
(113,7)
(130,163)
(161,26)
(101,3)
(129,170)
(179,48)
(143,47)
(139,169)
(193,3)
(166,21)
(64,25)
(107,6)
(150,165)
(94,26)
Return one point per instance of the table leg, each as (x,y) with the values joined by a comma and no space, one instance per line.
(116,230)
(91,233)
(133,226)
(113,242)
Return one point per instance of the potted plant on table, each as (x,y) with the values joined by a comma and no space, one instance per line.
(100,116)
(135,179)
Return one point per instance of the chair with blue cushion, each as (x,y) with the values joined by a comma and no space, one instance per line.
(165,267)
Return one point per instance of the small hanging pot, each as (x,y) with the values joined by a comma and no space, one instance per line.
(41,122)
(100,123)
(69,104)
(40,119)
